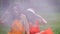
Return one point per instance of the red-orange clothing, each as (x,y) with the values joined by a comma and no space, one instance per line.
(34,29)
(47,31)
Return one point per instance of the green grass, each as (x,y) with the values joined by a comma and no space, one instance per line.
(56,28)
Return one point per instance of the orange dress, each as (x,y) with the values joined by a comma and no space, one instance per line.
(17,28)
(15,32)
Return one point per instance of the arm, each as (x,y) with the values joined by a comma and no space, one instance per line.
(25,23)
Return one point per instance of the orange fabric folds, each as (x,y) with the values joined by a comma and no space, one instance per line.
(17,27)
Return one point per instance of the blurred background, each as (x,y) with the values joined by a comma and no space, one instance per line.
(48,9)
